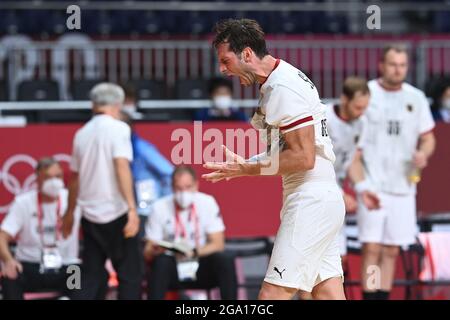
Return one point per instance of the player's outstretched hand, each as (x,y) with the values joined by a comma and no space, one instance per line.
(232,168)
(370,200)
(230,156)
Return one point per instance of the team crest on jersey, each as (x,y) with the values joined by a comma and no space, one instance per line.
(409,108)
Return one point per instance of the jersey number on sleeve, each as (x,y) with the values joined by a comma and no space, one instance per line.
(324,127)
(306,79)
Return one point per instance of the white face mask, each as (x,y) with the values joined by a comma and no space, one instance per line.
(52,187)
(222,102)
(129,108)
(184,198)
(446,103)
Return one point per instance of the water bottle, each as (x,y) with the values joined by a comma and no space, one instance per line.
(415,175)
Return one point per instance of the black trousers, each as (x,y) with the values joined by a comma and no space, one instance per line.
(31,280)
(103,241)
(217,269)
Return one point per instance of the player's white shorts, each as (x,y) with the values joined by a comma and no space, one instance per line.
(306,248)
(395,223)
(343,241)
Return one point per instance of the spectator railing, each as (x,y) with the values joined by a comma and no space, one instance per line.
(433,60)
(327,62)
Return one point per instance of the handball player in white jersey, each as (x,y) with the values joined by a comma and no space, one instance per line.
(306,251)
(396,145)
(346,122)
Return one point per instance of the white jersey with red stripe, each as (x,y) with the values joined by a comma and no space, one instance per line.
(289,101)
(346,137)
(395,121)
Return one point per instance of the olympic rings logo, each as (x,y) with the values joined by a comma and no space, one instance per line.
(12,183)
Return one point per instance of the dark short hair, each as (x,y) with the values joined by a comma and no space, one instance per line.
(218,82)
(240,34)
(130,91)
(352,85)
(184,169)
(45,163)
(397,47)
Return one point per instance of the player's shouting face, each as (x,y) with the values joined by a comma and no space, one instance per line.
(241,47)
(232,64)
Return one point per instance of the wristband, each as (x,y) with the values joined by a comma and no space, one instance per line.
(362,186)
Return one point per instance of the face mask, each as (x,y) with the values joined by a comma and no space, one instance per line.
(446,103)
(184,198)
(52,187)
(222,102)
(129,108)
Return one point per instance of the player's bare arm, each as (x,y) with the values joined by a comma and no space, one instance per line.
(300,154)
(357,176)
(427,144)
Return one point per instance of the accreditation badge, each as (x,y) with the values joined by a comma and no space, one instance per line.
(145,191)
(51,259)
(187,270)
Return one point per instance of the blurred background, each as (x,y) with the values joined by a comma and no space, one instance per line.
(160,52)
(161,48)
